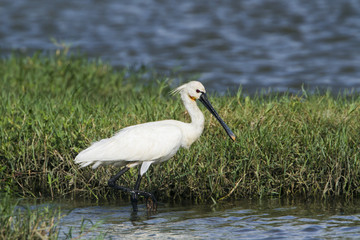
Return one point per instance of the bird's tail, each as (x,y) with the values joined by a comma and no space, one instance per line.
(83,162)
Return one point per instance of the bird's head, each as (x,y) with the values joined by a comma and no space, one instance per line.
(194,90)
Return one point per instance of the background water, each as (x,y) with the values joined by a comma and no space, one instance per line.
(258,44)
(245,219)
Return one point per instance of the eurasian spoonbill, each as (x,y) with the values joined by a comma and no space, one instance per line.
(152,142)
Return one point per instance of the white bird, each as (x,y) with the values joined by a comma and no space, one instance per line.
(152,142)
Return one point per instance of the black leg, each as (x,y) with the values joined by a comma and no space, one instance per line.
(134,192)
(112,180)
(151,203)
(134,195)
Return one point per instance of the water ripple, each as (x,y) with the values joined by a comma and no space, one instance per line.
(255,43)
(240,220)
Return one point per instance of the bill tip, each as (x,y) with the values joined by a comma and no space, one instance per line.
(233,137)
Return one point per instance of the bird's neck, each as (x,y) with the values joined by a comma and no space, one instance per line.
(195,128)
(197,117)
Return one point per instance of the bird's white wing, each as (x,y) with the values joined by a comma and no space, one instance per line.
(154,141)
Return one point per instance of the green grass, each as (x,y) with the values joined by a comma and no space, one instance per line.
(52,107)
(18,222)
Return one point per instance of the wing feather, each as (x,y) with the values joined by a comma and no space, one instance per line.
(155,141)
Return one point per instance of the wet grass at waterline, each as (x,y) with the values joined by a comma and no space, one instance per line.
(19,220)
(53,107)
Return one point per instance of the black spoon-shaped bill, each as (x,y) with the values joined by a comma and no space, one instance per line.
(204,100)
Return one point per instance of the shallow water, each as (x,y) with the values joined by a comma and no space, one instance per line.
(245,219)
(254,43)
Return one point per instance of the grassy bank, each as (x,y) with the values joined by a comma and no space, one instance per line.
(53,107)
(18,222)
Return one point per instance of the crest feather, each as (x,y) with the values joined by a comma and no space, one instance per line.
(177,90)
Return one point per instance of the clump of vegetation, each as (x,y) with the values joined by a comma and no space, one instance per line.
(52,107)
(19,220)
(25,223)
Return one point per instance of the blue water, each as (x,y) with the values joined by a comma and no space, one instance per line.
(257,44)
(245,219)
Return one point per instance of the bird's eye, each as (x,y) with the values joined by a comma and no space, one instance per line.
(197,90)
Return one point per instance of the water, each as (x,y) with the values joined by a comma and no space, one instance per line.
(254,43)
(245,219)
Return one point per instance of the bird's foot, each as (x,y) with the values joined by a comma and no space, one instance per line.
(151,202)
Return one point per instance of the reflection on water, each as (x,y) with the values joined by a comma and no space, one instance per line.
(256,43)
(244,219)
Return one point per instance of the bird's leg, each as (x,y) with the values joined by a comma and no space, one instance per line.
(112,180)
(134,194)
(150,199)
(112,183)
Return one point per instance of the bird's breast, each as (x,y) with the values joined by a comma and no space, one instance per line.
(190,134)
